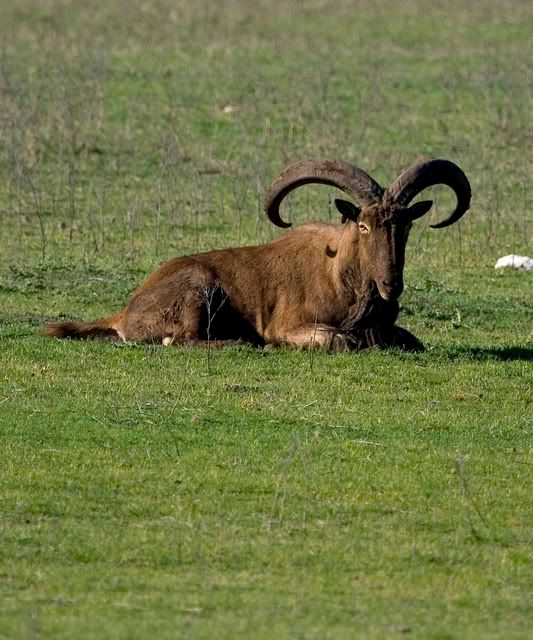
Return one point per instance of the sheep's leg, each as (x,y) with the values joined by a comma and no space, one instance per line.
(213,344)
(172,309)
(385,338)
(314,336)
(405,340)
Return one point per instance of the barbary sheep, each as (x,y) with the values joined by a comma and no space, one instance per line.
(320,285)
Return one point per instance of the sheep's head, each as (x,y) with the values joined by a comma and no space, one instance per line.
(384,217)
(382,232)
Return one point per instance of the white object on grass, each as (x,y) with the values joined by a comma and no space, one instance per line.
(516,262)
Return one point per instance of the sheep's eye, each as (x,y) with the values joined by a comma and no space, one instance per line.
(363,228)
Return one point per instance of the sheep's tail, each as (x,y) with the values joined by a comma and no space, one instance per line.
(101,329)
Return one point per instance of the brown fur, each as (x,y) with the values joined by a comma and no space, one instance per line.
(262,294)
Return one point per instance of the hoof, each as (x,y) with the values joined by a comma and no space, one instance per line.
(406,341)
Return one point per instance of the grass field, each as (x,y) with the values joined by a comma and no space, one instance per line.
(152,492)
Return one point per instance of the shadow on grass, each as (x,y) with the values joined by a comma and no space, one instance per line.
(495,353)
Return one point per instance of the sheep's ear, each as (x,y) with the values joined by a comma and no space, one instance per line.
(348,210)
(419,209)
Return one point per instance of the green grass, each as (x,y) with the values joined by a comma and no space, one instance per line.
(161,492)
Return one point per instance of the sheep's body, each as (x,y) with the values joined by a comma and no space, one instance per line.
(263,294)
(319,285)
(266,287)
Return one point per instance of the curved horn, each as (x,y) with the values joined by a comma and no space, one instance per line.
(426,174)
(352,180)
